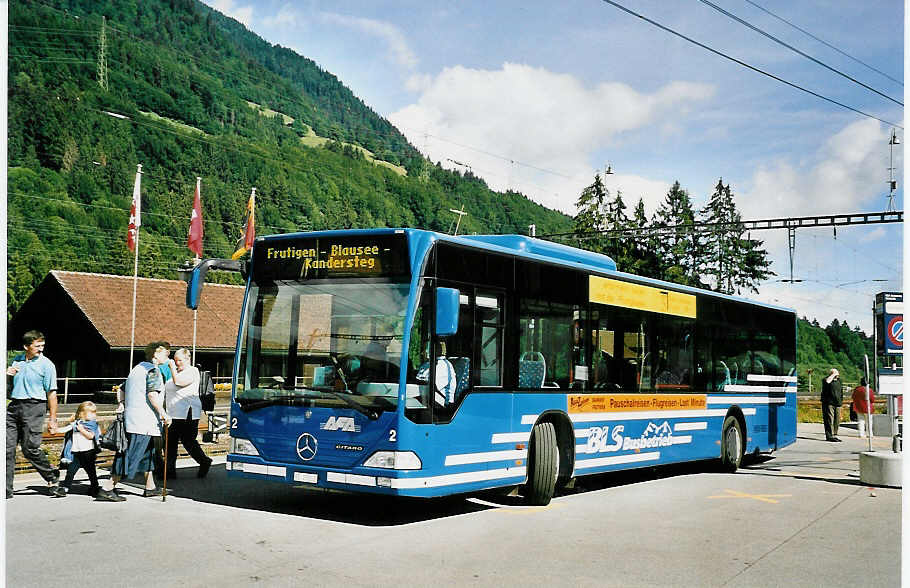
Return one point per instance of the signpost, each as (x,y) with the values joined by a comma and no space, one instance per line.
(889,346)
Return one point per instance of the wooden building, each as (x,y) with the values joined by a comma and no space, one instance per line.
(86,319)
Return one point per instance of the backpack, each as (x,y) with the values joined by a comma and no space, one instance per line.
(206,390)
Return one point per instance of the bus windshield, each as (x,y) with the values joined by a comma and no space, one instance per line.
(323,343)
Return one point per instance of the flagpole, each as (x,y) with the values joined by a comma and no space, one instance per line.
(135,277)
(196,262)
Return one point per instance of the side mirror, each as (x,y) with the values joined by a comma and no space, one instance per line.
(447,305)
(195,276)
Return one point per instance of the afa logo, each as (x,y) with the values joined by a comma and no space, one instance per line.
(345,424)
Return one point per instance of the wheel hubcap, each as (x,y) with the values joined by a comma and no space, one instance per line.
(732,444)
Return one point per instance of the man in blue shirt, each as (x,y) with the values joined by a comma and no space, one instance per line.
(34,391)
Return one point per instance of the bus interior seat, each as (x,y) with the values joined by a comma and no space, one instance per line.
(532,370)
(462,367)
(323,376)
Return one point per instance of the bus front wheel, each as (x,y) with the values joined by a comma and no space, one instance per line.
(731,443)
(543,465)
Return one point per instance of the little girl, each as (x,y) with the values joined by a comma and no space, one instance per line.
(84,448)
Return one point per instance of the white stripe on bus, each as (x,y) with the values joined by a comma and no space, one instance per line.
(485,457)
(593,417)
(763,389)
(583,464)
(462,478)
(764,378)
(699,426)
(746,400)
(511,437)
(262,469)
(353,479)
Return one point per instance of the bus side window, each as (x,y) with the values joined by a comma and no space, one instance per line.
(545,341)
(490,325)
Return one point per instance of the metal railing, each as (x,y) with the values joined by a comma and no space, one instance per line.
(64,383)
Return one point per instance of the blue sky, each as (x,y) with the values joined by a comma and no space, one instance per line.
(538,96)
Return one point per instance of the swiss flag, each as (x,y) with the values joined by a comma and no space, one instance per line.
(194,240)
(132,234)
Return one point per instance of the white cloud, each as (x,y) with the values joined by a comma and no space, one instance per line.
(844,176)
(873,235)
(651,191)
(535,130)
(243,14)
(399,49)
(286,16)
(418,82)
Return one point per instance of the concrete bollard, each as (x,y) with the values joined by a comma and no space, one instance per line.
(880,468)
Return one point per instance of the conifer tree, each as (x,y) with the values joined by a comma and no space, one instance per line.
(678,248)
(616,222)
(592,215)
(642,260)
(734,260)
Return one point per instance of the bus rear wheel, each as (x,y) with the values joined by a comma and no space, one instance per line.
(731,444)
(543,465)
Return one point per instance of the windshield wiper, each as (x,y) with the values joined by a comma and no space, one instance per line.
(370,413)
(248,405)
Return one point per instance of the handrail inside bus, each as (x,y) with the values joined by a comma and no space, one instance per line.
(195,276)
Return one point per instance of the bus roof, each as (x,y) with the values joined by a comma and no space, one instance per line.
(527,248)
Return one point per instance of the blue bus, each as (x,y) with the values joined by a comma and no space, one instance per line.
(413,363)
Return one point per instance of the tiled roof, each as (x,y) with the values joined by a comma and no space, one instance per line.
(161,312)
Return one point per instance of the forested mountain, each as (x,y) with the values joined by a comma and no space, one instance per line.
(836,346)
(192,93)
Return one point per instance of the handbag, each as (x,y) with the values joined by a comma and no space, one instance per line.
(206,390)
(115,436)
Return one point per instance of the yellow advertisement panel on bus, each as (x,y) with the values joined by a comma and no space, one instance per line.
(588,403)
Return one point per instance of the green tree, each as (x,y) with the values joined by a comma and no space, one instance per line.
(679,247)
(642,259)
(735,261)
(592,215)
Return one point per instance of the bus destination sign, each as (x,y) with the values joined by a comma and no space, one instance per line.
(342,257)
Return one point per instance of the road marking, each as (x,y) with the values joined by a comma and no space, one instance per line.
(514,508)
(762,497)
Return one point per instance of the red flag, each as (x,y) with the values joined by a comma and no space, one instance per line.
(194,240)
(245,243)
(132,234)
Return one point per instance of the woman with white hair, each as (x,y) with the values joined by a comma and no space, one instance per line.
(832,398)
(182,402)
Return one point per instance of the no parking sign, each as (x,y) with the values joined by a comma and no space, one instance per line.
(889,311)
(894,333)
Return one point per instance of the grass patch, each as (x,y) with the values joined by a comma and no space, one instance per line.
(173,123)
(287,120)
(314,140)
(808,414)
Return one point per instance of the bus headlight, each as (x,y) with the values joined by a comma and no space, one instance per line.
(394,460)
(243,447)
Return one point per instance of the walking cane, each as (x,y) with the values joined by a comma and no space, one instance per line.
(164,484)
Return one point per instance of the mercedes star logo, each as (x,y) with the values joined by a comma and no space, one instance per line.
(306,447)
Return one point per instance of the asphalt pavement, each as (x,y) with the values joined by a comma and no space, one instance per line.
(800,517)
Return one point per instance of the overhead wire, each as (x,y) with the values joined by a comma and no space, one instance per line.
(795,50)
(746,65)
(823,42)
